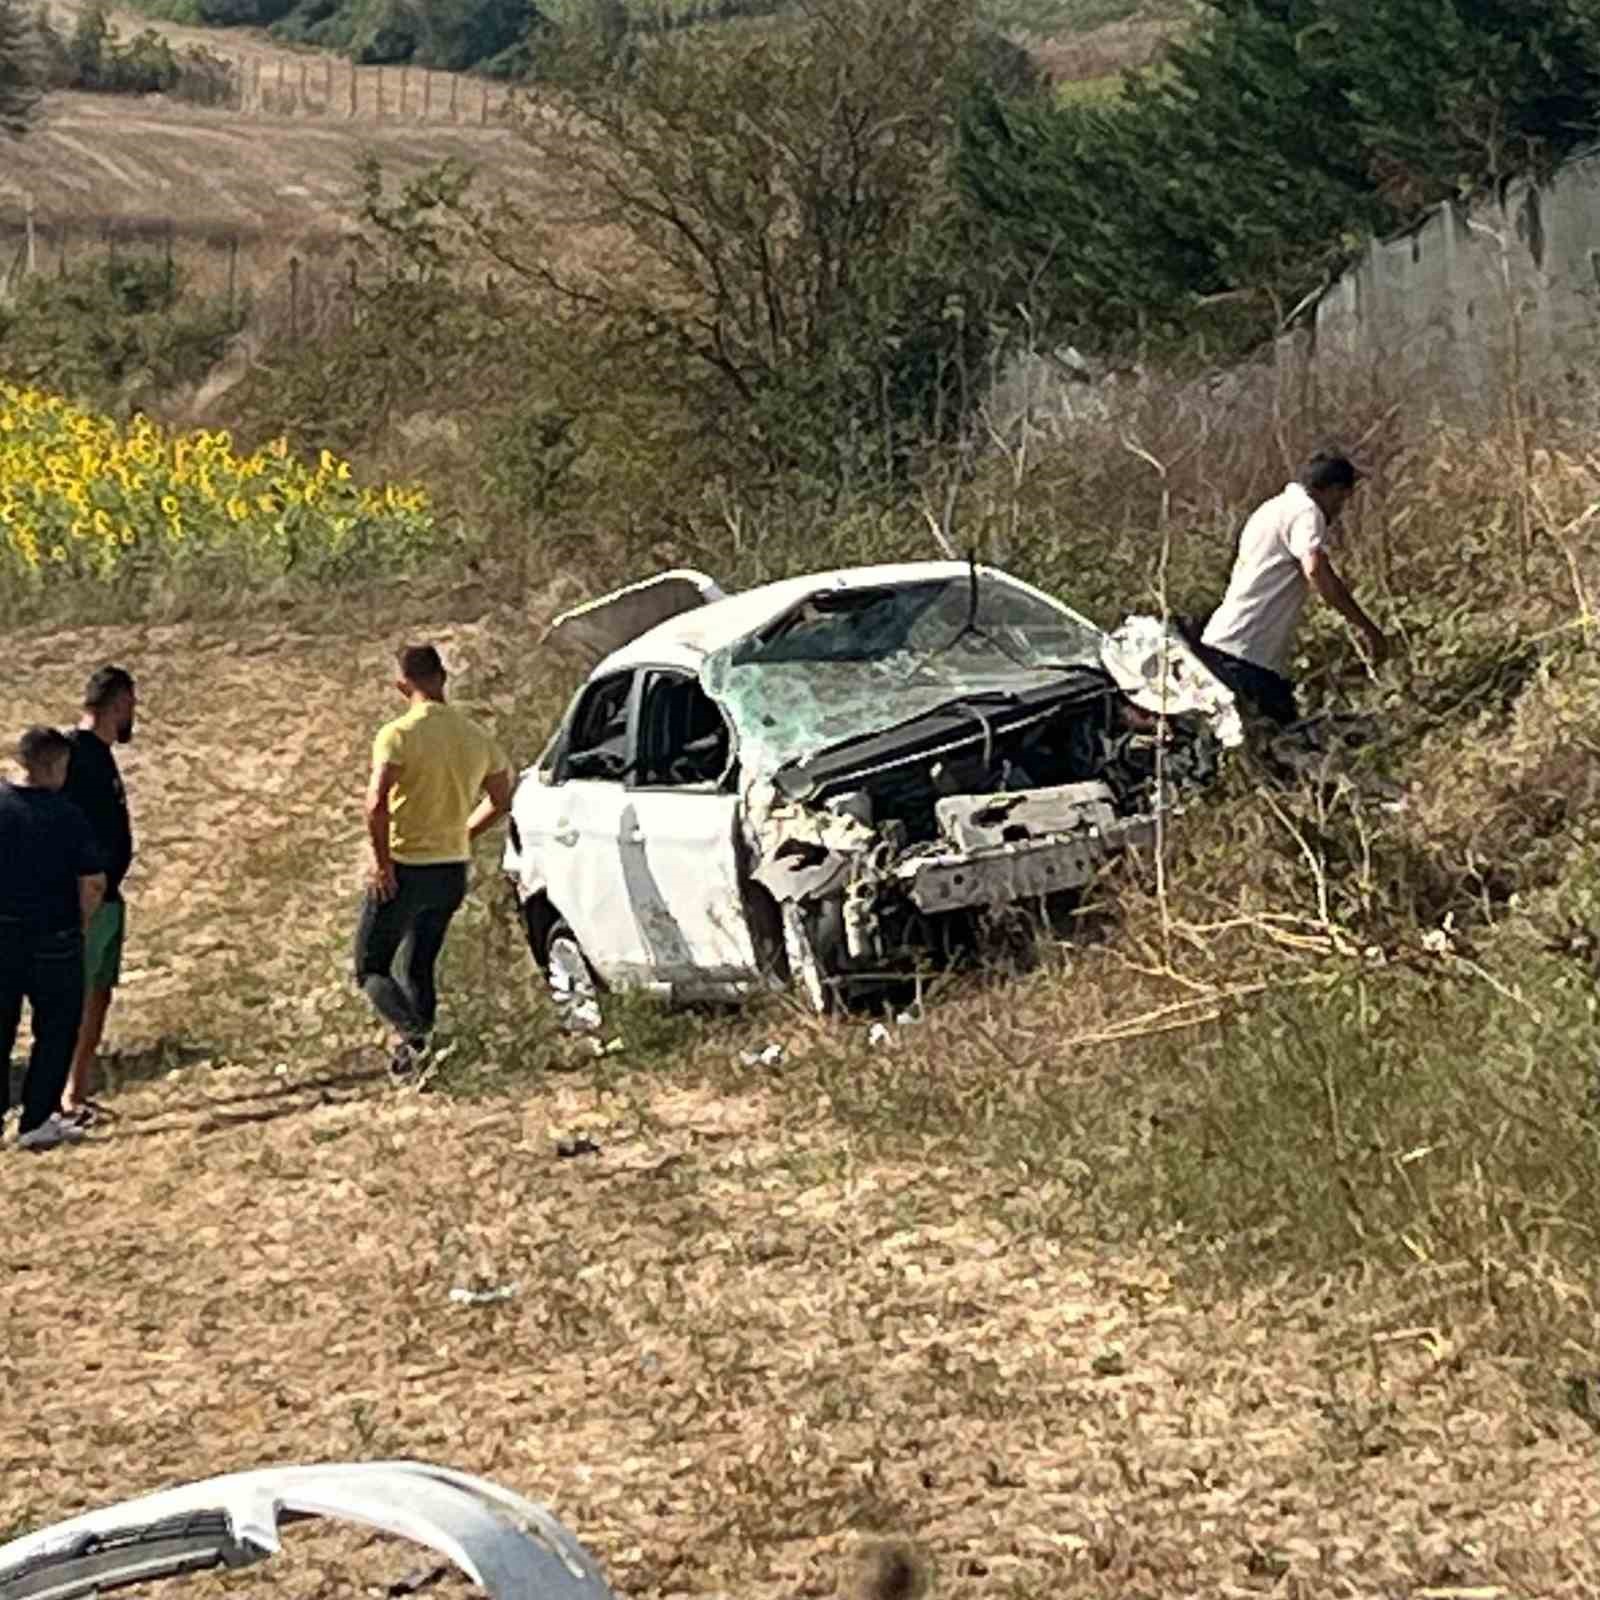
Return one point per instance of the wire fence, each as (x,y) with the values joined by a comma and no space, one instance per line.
(320,86)
(300,287)
(286,286)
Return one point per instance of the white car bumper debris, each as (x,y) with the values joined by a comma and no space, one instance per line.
(512,1548)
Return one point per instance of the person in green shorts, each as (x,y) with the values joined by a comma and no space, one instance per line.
(94,785)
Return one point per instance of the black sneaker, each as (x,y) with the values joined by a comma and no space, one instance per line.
(406,1059)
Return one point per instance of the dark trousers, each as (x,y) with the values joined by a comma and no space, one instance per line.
(1269,693)
(398,943)
(46,971)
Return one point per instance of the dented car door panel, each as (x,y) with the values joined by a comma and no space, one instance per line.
(683,871)
(586,825)
(593,845)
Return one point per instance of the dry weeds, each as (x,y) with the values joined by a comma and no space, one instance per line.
(757,1332)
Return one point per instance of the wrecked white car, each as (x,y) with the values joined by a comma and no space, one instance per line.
(825,779)
(511,1548)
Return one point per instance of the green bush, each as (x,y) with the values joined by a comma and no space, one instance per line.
(115,334)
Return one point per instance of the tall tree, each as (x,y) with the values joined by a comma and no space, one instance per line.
(771,211)
(21,70)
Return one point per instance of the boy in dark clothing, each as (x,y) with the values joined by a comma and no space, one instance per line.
(51,885)
(94,785)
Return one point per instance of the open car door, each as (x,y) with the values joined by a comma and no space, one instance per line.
(598,627)
(680,842)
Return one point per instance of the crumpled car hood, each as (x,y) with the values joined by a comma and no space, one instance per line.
(511,1547)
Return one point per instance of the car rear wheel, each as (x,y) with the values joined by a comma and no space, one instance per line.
(574,989)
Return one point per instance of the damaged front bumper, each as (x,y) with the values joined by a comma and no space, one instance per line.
(998,849)
(1008,873)
(858,901)
(511,1548)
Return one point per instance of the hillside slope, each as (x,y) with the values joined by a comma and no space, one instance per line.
(1077,38)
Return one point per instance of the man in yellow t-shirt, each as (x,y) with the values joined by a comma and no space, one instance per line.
(438,781)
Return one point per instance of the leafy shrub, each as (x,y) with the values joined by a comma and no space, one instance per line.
(1203,194)
(21,72)
(114,333)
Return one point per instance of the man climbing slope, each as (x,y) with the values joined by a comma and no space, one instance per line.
(1284,553)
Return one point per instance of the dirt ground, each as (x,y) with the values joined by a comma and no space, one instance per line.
(742,1340)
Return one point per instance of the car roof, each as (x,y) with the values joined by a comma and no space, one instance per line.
(688,638)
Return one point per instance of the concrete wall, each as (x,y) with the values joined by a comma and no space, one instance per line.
(1441,301)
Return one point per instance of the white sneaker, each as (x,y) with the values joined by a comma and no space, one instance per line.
(56,1130)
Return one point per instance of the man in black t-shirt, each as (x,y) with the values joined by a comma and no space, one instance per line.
(51,884)
(94,785)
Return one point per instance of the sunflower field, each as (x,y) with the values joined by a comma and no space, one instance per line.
(85,497)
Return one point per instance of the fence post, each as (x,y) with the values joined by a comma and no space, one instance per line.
(239,59)
(427,93)
(380,94)
(455,83)
(294,299)
(354,293)
(405,73)
(327,86)
(305,102)
(353,102)
(483,105)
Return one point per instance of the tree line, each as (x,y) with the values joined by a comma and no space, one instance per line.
(1232,179)
(36,56)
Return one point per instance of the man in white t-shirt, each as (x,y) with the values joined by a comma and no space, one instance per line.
(1283,555)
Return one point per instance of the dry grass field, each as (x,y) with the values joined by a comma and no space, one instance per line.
(1104,52)
(280,176)
(97,162)
(782,1314)
(97,158)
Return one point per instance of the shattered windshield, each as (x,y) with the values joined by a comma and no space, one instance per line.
(849,662)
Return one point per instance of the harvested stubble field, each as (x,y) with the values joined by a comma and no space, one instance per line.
(96,159)
(756,1331)
(275,181)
